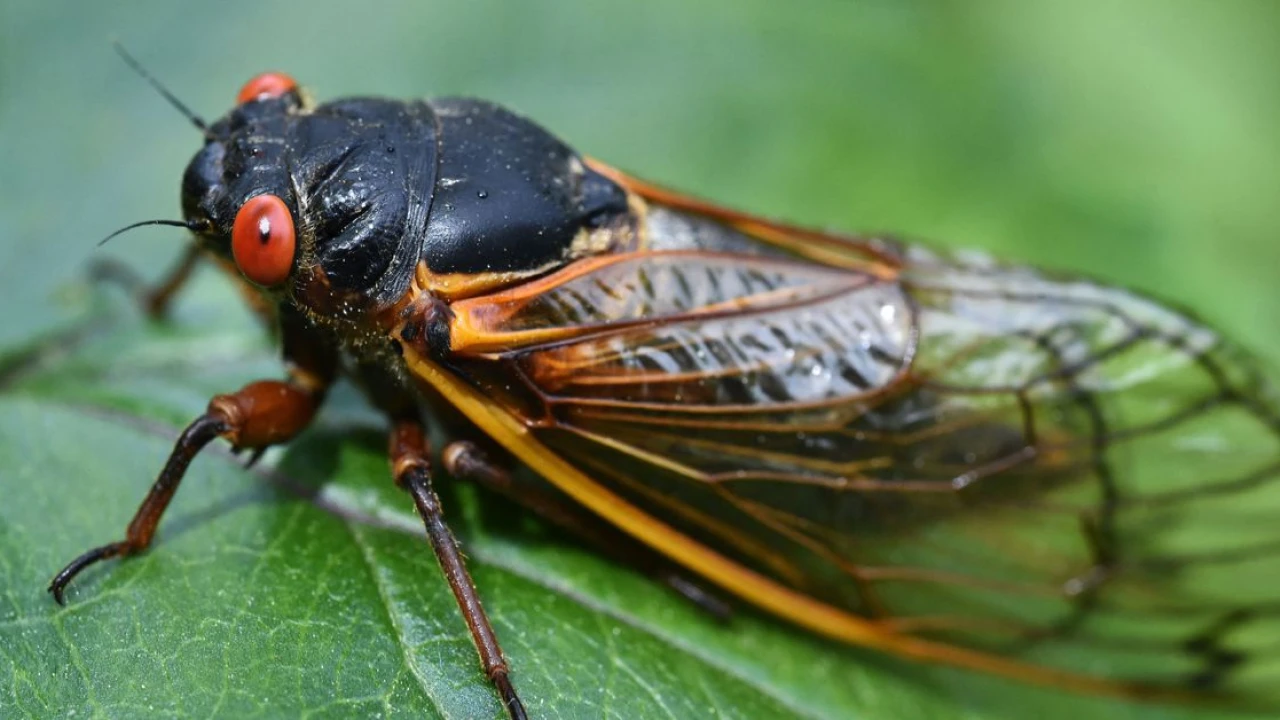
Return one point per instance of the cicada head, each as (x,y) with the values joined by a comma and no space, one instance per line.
(237,188)
(324,202)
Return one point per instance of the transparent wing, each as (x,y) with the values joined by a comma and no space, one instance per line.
(1044,468)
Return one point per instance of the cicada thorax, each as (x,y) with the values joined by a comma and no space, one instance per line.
(511,202)
(450,196)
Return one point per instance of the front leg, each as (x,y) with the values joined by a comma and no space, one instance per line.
(261,414)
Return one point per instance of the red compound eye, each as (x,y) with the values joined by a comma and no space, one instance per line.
(266,85)
(262,240)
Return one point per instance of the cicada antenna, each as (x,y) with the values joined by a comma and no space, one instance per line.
(192,225)
(181,107)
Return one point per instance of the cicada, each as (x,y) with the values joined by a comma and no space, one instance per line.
(941,456)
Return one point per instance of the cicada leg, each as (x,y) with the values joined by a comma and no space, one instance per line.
(411,467)
(465,461)
(263,413)
(154,299)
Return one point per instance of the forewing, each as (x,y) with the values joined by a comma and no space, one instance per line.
(1144,524)
(1045,468)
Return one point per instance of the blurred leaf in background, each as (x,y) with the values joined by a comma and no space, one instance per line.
(1131,141)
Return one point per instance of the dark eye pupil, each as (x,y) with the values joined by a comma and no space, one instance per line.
(264,229)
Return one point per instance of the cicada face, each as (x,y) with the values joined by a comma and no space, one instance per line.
(245,155)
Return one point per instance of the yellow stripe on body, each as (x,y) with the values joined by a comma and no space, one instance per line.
(767,594)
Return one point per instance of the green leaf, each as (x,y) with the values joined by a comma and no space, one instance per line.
(1135,142)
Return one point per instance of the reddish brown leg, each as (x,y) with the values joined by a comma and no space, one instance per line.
(465,461)
(263,413)
(410,465)
(155,300)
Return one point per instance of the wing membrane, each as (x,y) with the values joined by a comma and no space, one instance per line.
(982,455)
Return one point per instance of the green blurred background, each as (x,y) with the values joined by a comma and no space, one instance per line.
(1134,141)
